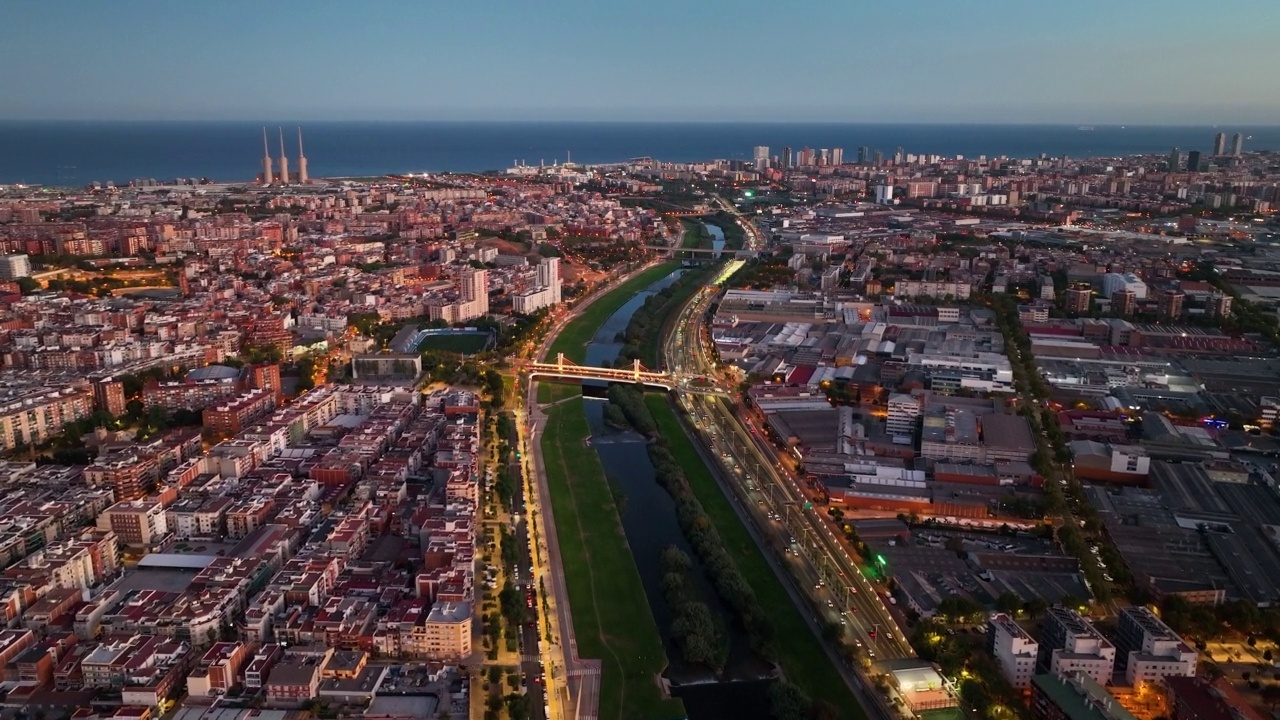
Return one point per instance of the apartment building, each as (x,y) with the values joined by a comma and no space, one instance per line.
(1149,650)
(1071,644)
(1013,648)
(136,522)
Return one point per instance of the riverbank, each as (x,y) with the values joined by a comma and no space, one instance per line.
(611,616)
(573,339)
(803,660)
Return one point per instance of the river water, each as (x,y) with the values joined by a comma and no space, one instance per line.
(604,346)
(648,517)
(717,238)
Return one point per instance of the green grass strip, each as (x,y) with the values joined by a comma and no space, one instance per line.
(611,617)
(573,339)
(799,652)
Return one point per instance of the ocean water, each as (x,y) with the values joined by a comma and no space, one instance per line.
(78,153)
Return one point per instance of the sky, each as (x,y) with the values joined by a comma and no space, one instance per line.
(1172,62)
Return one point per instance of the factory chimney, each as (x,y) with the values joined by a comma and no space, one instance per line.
(302,162)
(267,177)
(284,160)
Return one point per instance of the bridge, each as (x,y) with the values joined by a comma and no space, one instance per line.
(563,369)
(673,249)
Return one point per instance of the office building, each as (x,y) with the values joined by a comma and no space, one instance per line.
(1169,304)
(1078,297)
(787,159)
(1175,160)
(1069,644)
(1124,302)
(877,158)
(1112,282)
(1193,161)
(864,154)
(1237,144)
(1220,144)
(1013,648)
(760,156)
(1074,697)
(16,266)
(837,156)
(904,414)
(1148,650)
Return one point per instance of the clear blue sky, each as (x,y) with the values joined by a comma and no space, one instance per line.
(1072,61)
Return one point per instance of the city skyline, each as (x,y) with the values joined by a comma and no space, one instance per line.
(1002,62)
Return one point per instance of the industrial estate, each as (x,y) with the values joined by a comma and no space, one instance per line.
(804,436)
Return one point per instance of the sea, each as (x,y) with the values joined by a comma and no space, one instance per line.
(65,153)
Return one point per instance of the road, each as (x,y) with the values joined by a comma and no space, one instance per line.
(780,503)
(772,508)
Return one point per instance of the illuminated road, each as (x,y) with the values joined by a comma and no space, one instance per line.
(780,507)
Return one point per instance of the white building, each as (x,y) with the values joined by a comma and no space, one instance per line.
(1113,282)
(13,267)
(1071,644)
(884,194)
(1014,649)
(903,412)
(1149,649)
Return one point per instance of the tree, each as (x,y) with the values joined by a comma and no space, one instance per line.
(1008,603)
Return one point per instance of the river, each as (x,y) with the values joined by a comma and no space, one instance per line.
(648,517)
(717,238)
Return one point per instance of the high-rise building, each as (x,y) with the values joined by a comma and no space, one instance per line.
(1220,144)
(806,157)
(837,156)
(1219,305)
(1069,643)
(864,153)
(824,157)
(899,157)
(1124,302)
(1193,161)
(787,159)
(284,161)
(1169,304)
(1013,648)
(549,277)
(1148,650)
(15,266)
(303,178)
(877,158)
(1078,297)
(474,293)
(1237,144)
(760,155)
(267,174)
(1175,160)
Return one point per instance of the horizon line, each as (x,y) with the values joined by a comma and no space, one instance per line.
(545,121)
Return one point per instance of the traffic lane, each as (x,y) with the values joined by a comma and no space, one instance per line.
(530,670)
(835,553)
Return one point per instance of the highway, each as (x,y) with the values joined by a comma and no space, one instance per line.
(839,591)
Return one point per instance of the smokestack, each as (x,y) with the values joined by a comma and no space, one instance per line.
(302,162)
(284,160)
(267,176)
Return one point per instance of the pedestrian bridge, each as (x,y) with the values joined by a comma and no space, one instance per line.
(563,369)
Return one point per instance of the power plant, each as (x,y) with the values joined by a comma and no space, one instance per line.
(268,163)
(284,160)
(266,160)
